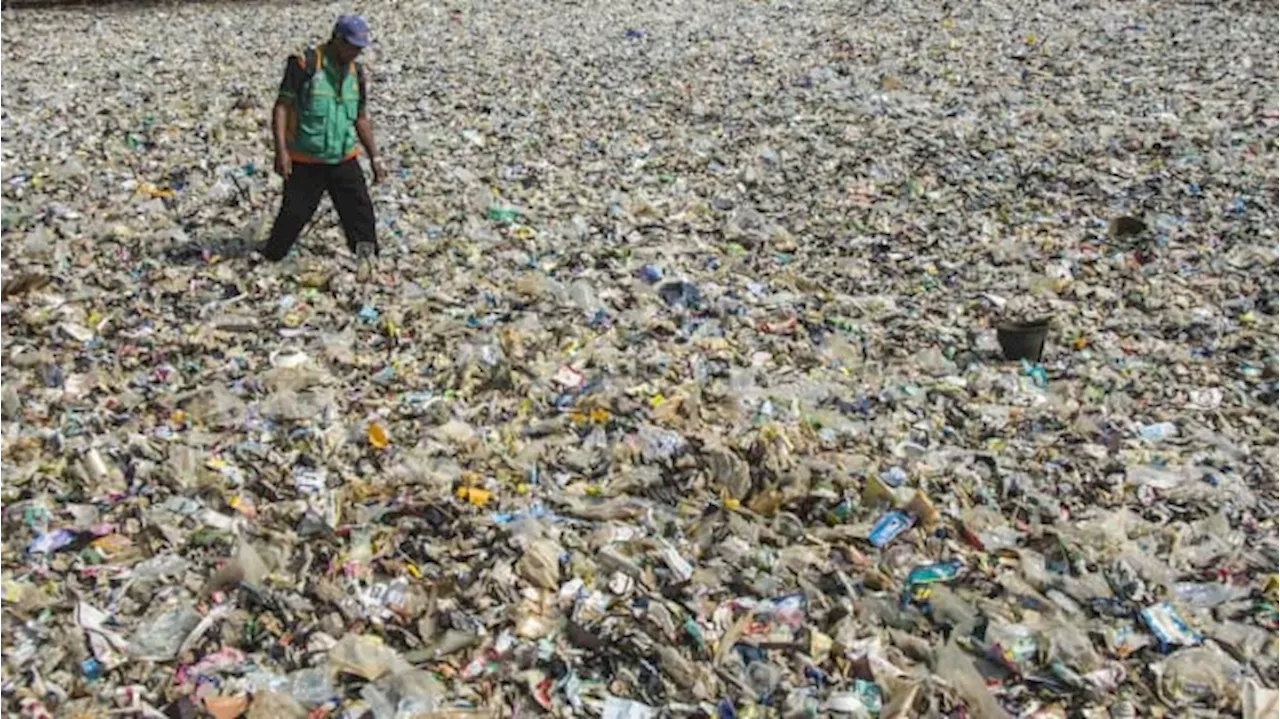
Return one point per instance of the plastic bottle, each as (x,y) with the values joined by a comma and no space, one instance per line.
(1207,594)
(1159,431)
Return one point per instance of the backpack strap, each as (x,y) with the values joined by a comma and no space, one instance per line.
(310,59)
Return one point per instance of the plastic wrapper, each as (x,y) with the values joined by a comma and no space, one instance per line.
(311,687)
(616,708)
(160,638)
(958,669)
(364,656)
(540,564)
(273,705)
(1259,702)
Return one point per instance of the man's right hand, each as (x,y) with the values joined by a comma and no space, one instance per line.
(284,165)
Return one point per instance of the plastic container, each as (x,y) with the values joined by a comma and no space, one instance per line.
(1022,340)
(1125,226)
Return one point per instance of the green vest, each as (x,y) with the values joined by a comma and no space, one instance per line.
(325,114)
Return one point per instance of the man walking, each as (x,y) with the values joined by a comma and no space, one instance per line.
(318,119)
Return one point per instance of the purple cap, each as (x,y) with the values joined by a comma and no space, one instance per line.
(353,29)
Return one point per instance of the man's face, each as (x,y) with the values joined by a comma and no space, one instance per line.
(345,51)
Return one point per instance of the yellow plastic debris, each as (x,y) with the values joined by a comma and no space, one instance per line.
(378,436)
(476,496)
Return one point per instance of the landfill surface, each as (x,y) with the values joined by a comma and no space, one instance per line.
(681,387)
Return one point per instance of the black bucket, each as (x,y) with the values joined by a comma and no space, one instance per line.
(1125,226)
(1022,340)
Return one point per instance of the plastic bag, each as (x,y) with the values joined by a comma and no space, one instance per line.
(364,656)
(540,564)
(160,638)
(404,695)
(1203,677)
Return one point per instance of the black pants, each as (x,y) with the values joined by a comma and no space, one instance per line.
(302,192)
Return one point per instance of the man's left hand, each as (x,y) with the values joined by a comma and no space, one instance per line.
(379,171)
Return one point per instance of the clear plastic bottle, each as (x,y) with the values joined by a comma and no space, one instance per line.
(1207,594)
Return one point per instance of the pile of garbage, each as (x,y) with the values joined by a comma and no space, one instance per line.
(679,389)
